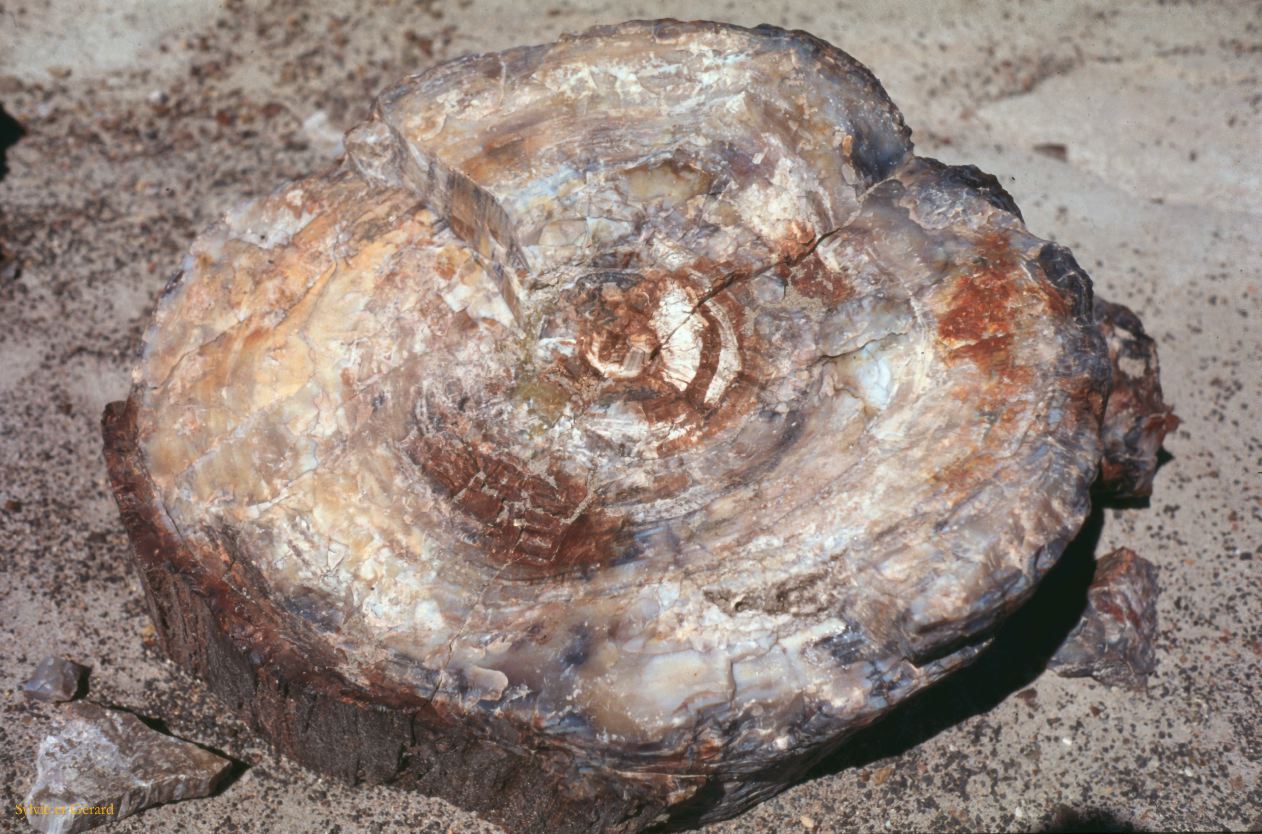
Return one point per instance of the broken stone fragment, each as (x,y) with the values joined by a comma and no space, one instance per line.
(1113,642)
(105,764)
(1136,418)
(55,679)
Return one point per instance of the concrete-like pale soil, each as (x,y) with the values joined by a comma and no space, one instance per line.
(1130,134)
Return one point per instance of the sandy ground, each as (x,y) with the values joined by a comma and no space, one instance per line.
(143,120)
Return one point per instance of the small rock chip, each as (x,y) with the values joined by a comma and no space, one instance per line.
(104,764)
(322,134)
(55,679)
(1113,642)
(9,269)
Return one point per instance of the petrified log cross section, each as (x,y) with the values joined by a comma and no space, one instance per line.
(622,424)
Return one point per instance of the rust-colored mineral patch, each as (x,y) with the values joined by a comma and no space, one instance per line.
(536,525)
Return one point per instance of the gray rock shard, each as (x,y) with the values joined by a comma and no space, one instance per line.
(55,679)
(1113,642)
(104,764)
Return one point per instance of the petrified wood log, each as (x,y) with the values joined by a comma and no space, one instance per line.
(624,422)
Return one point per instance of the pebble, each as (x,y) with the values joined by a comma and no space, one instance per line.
(55,679)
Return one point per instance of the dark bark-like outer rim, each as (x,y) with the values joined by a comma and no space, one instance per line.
(283,683)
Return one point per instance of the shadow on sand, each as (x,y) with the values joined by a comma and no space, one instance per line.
(1019,654)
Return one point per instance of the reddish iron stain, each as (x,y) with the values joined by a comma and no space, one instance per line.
(811,278)
(537,525)
(978,325)
(968,471)
(444,266)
